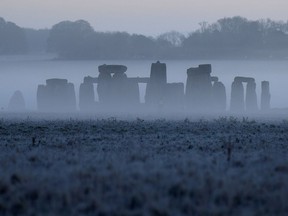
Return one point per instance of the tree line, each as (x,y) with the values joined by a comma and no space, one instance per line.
(16,40)
(234,37)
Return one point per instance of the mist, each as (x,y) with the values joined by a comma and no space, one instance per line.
(118,123)
(35,72)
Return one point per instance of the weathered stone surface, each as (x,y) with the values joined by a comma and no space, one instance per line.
(155,89)
(115,90)
(86,96)
(238,102)
(199,88)
(237,97)
(112,68)
(17,102)
(251,97)
(218,97)
(174,97)
(56,95)
(265,96)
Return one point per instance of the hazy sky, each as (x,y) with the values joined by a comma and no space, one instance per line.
(149,17)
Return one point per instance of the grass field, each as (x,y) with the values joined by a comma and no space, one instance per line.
(221,166)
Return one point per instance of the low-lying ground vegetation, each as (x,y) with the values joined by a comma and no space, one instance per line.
(226,166)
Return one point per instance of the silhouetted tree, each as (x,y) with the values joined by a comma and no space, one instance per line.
(169,45)
(116,45)
(232,37)
(36,40)
(71,39)
(236,37)
(142,47)
(12,38)
(174,38)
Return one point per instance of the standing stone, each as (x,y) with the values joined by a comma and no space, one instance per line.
(155,89)
(219,97)
(199,88)
(191,86)
(132,93)
(17,102)
(237,97)
(104,85)
(57,95)
(265,96)
(174,97)
(251,97)
(116,91)
(86,96)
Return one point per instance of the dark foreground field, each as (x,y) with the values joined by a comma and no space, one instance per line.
(225,166)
